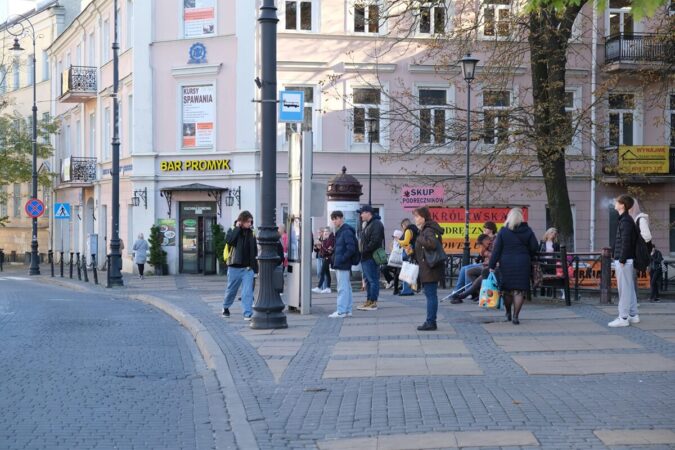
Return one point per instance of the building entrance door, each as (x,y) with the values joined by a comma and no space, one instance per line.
(197,251)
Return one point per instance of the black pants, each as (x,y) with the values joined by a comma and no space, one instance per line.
(141,269)
(654,282)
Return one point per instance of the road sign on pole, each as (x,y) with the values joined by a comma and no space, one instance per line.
(62,210)
(34,208)
(291,106)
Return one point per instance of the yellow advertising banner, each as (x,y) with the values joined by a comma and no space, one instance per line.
(636,159)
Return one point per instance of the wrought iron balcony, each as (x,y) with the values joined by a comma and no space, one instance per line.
(78,84)
(635,49)
(78,170)
(643,163)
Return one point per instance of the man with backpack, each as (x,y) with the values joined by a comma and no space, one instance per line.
(345,255)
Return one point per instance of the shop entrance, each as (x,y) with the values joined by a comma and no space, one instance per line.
(197,252)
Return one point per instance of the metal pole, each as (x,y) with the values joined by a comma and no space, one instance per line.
(370,167)
(34,262)
(115,267)
(268,307)
(467,246)
(61,264)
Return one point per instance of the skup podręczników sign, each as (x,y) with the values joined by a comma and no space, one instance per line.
(414,197)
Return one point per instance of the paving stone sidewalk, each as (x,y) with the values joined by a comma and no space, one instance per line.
(561,379)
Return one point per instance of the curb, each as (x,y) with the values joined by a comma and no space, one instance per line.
(215,360)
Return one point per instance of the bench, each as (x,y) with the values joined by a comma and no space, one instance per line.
(555,269)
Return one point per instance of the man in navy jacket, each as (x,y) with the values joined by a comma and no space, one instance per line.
(343,257)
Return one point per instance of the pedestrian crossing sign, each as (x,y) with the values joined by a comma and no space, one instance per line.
(62,210)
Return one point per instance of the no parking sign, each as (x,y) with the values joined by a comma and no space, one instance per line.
(34,208)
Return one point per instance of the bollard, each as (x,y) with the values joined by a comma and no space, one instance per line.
(77,264)
(50,256)
(2,259)
(108,270)
(70,264)
(606,276)
(61,264)
(94,268)
(84,269)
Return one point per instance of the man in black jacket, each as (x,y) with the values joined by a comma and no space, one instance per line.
(241,265)
(372,238)
(624,253)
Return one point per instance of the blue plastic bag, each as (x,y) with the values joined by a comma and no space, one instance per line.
(490,295)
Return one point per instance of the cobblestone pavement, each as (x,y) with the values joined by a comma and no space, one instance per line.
(83,371)
(561,379)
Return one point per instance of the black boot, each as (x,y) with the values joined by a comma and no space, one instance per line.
(507,316)
(427,326)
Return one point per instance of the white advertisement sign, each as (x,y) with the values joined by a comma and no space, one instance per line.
(199,17)
(198,116)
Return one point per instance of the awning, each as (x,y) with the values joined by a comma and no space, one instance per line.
(212,191)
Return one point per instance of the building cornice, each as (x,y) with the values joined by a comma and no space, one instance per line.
(196,70)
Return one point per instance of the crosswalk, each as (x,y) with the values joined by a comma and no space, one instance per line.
(14,278)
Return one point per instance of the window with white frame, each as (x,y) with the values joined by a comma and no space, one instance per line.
(367,104)
(671,116)
(130,123)
(130,24)
(621,119)
(433,18)
(45,65)
(297,15)
(16,73)
(105,42)
(79,151)
(433,109)
(496,107)
(30,65)
(3,201)
(105,144)
(45,119)
(78,55)
(496,18)
(3,80)
(91,50)
(671,10)
(366,15)
(308,116)
(571,107)
(620,18)
(17,200)
(92,134)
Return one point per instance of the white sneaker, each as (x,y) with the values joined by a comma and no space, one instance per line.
(619,322)
(389,285)
(337,315)
(317,290)
(634,319)
(326,291)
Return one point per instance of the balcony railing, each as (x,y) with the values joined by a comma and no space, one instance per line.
(78,170)
(78,84)
(640,47)
(637,161)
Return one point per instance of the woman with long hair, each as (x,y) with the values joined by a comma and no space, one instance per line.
(429,239)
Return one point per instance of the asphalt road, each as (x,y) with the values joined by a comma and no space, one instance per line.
(83,371)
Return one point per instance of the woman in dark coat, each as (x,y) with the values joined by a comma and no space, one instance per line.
(429,238)
(513,250)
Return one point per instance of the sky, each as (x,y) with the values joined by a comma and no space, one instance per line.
(11,7)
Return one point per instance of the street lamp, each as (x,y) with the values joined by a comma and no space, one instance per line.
(371,127)
(16,49)
(115,255)
(268,308)
(469,72)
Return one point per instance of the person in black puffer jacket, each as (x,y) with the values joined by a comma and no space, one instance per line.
(624,253)
(372,238)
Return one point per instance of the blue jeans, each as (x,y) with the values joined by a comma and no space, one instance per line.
(319,265)
(461,278)
(240,276)
(431,293)
(371,272)
(344,292)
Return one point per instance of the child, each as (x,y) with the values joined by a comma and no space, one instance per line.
(655,274)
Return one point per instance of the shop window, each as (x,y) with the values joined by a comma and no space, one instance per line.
(367,103)
(433,107)
(621,119)
(496,106)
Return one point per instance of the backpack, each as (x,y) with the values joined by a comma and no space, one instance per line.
(356,257)
(642,252)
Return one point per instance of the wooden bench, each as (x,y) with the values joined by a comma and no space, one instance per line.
(555,269)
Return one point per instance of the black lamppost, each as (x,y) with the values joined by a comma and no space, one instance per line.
(268,308)
(115,256)
(16,49)
(371,127)
(469,72)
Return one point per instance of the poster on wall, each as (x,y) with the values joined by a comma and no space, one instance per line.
(452,221)
(199,17)
(198,116)
(167,227)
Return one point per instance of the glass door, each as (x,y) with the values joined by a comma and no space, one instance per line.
(189,246)
(208,249)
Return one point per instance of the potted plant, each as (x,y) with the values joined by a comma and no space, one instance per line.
(157,256)
(219,246)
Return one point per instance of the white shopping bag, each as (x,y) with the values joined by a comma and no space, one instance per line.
(409,273)
(395,258)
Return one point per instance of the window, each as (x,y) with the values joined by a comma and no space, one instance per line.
(45,119)
(45,65)
(17,200)
(366,106)
(130,123)
(620,17)
(105,42)
(671,115)
(67,150)
(672,229)
(105,144)
(91,50)
(621,119)
(298,15)
(672,7)
(92,134)
(496,105)
(130,24)
(3,80)
(496,18)
(30,66)
(3,201)
(366,16)
(79,151)
(433,19)
(199,18)
(307,121)
(433,103)
(16,73)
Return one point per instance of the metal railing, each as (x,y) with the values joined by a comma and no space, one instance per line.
(640,47)
(78,170)
(79,80)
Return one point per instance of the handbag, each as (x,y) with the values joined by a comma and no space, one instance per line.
(490,297)
(380,256)
(395,258)
(537,275)
(409,273)
(436,256)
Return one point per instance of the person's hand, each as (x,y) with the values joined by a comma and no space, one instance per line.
(237,224)
(492,270)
